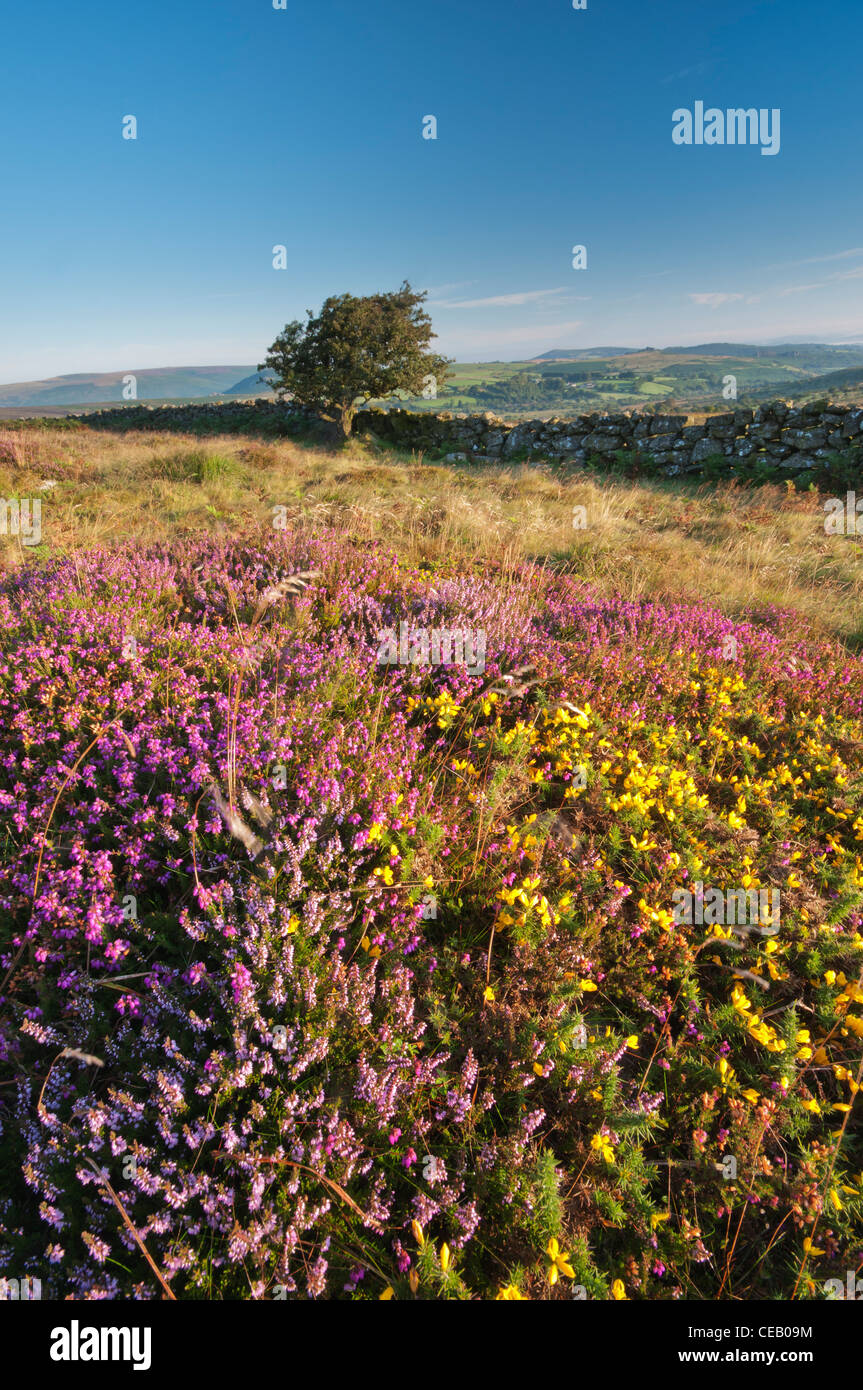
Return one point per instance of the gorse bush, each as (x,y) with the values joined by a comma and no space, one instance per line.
(379,964)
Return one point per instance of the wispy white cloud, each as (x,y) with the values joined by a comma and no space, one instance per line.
(435,290)
(801,289)
(716,299)
(856,274)
(820,260)
(685,72)
(496,301)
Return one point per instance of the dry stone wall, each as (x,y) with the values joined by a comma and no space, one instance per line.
(790,440)
(804,436)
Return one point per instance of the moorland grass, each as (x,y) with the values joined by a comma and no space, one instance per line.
(740,548)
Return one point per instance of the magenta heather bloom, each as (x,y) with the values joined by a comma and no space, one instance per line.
(224,996)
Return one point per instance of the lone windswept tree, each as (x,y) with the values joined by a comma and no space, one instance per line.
(357,350)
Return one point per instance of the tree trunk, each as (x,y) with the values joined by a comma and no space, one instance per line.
(346,419)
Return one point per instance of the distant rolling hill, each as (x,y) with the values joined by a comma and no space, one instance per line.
(812,357)
(834,385)
(252,385)
(153,383)
(577,354)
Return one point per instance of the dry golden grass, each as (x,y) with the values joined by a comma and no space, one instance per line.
(731,546)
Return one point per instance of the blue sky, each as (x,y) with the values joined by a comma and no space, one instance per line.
(303,127)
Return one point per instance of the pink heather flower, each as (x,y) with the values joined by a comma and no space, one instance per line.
(94,924)
(98,1249)
(241,980)
(53,1217)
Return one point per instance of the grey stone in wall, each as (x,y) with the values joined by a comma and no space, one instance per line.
(706,449)
(804,439)
(722,426)
(666,424)
(603,443)
(660,443)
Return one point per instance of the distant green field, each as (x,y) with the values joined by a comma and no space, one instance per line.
(690,381)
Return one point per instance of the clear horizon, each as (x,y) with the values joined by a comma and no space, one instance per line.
(259,128)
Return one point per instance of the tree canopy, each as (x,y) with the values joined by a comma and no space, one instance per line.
(357,349)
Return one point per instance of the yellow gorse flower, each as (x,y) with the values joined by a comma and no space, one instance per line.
(602,1144)
(559,1262)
